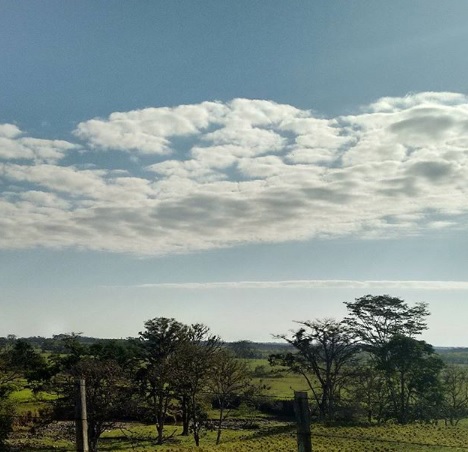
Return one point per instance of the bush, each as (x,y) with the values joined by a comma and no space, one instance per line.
(7,414)
(282,408)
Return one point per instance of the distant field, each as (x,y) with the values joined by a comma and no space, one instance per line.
(282,383)
(26,401)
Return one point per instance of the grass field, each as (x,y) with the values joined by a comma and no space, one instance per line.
(280,382)
(275,437)
(26,401)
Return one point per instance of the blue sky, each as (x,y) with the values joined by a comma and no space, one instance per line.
(242,164)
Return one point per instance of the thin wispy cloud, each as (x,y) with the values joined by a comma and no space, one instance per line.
(313,284)
(214,175)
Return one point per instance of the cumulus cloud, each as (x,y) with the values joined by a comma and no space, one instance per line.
(194,177)
(9,131)
(14,146)
(148,130)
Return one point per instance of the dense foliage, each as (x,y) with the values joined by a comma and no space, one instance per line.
(369,364)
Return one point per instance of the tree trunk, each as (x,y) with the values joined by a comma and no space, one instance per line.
(93,437)
(92,445)
(196,434)
(185,417)
(402,400)
(159,431)
(220,423)
(160,418)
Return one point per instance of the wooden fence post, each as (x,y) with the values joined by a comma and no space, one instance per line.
(301,409)
(81,417)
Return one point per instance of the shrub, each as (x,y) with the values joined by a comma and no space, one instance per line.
(7,415)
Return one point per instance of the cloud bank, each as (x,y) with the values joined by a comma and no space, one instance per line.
(194,177)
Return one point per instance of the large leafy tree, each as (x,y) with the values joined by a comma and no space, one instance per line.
(159,346)
(18,360)
(386,328)
(455,384)
(108,397)
(229,382)
(107,382)
(369,392)
(375,319)
(411,368)
(194,363)
(324,350)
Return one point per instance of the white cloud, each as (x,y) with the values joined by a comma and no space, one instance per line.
(14,146)
(255,140)
(391,104)
(149,130)
(314,284)
(220,174)
(9,131)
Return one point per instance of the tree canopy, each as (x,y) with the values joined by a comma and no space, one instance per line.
(376,319)
(324,348)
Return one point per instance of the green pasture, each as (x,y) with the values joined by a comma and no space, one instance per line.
(273,437)
(28,402)
(281,384)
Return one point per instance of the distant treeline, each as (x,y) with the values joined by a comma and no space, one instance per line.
(242,349)
(453,355)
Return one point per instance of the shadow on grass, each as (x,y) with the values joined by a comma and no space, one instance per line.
(29,448)
(265,432)
(135,441)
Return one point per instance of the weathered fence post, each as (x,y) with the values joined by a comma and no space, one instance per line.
(81,417)
(301,409)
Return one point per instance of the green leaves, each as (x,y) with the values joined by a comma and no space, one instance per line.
(324,350)
(376,319)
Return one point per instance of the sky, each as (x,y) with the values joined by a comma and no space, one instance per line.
(240,164)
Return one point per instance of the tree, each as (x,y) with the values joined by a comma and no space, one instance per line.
(376,319)
(108,397)
(386,327)
(18,360)
(243,349)
(193,364)
(369,392)
(324,349)
(7,413)
(8,377)
(411,369)
(159,346)
(230,382)
(455,385)
(123,351)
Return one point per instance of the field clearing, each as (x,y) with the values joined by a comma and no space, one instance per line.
(28,402)
(278,379)
(283,388)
